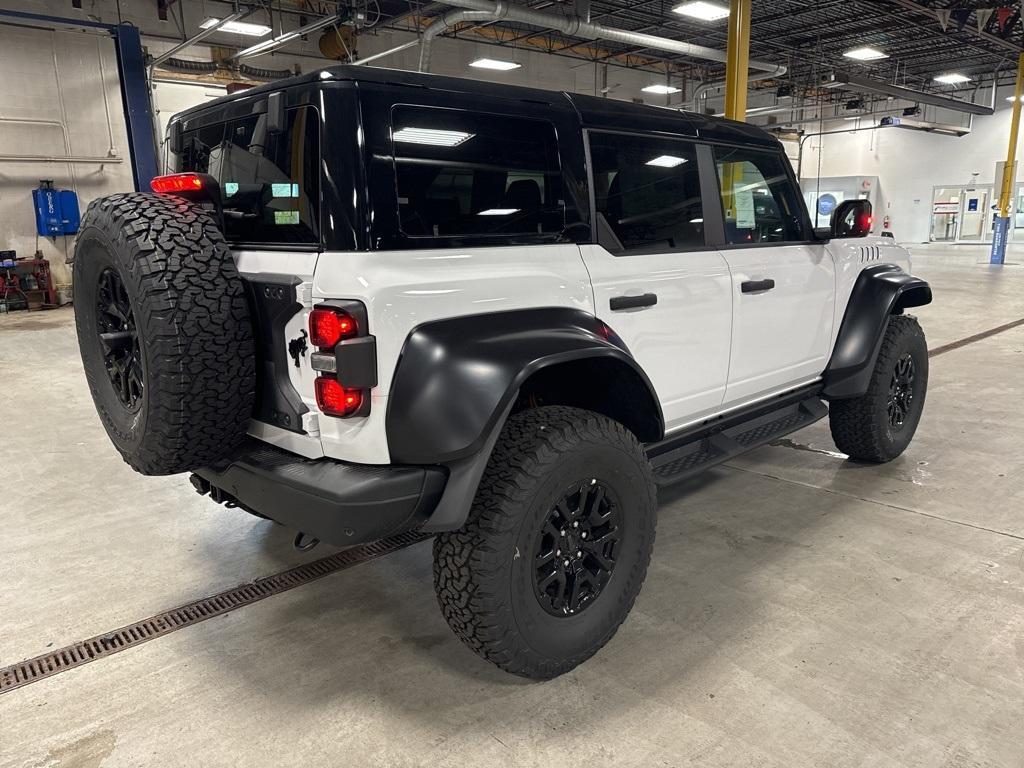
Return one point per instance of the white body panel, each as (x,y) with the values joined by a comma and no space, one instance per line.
(682,342)
(782,335)
(707,347)
(401,290)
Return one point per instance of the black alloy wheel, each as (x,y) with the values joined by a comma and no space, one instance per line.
(901,391)
(576,548)
(119,339)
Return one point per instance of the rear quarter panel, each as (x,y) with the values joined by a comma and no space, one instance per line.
(404,289)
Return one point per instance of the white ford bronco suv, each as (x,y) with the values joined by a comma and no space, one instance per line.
(368,302)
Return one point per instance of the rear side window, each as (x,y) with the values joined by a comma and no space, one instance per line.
(270,182)
(463,174)
(760,201)
(647,193)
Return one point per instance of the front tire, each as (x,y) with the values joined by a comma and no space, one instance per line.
(878,426)
(556,545)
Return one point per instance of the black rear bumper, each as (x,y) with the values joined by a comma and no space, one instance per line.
(338,503)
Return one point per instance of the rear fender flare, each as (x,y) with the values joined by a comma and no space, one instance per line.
(457,379)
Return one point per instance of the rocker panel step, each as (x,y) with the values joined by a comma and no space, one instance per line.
(694,452)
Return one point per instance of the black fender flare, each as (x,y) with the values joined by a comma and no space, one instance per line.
(879,292)
(458,378)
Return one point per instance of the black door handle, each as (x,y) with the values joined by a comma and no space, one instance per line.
(755,286)
(618,303)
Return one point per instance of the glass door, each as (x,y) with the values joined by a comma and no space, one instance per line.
(945,214)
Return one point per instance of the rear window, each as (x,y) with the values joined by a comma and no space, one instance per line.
(270,182)
(461,174)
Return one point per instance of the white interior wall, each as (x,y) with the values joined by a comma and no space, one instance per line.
(59,96)
(909,164)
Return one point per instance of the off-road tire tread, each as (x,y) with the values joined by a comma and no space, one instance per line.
(194,318)
(471,567)
(857,426)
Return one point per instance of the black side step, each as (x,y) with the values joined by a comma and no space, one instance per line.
(685,455)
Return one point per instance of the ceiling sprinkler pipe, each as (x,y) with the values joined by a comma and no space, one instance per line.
(577,27)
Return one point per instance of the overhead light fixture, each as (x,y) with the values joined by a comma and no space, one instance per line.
(276,42)
(662,89)
(699,9)
(495,64)
(865,53)
(1014,98)
(431,136)
(237,27)
(953,78)
(498,212)
(666,161)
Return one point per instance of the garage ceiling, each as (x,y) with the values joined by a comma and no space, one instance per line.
(809,37)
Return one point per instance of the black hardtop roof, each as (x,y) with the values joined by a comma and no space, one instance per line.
(594,112)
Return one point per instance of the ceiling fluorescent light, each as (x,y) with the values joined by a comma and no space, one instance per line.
(953,78)
(865,53)
(276,42)
(1014,98)
(496,64)
(498,212)
(238,27)
(699,9)
(663,89)
(666,161)
(432,137)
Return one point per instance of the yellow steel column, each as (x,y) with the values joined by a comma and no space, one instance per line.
(737,60)
(1001,232)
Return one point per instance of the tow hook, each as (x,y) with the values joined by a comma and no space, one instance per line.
(304,543)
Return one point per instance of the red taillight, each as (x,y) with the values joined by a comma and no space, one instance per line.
(329,326)
(177,182)
(335,400)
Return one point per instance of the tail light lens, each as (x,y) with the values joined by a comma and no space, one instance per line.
(177,182)
(335,400)
(327,327)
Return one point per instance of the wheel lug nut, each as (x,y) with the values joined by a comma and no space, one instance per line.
(566,563)
(558,552)
(576,524)
(579,554)
(561,532)
(583,535)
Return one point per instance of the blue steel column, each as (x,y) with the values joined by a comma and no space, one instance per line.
(138,110)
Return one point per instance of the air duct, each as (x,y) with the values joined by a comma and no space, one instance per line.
(571,26)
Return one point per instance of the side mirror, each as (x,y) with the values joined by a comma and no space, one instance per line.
(823,234)
(852,218)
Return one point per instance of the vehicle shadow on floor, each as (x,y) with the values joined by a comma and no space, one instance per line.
(373,635)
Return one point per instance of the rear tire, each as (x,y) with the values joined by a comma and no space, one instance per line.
(878,426)
(164,332)
(500,585)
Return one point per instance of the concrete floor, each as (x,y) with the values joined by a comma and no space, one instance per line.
(800,610)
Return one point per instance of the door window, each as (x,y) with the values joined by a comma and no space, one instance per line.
(647,193)
(761,203)
(463,174)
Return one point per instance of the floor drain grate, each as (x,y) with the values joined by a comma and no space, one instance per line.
(77,654)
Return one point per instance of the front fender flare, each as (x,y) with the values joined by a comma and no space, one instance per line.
(880,292)
(458,378)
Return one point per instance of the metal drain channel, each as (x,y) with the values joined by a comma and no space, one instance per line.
(75,655)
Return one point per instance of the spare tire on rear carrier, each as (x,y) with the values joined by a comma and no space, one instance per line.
(164,332)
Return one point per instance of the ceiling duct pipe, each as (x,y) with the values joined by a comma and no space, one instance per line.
(705,88)
(573,26)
